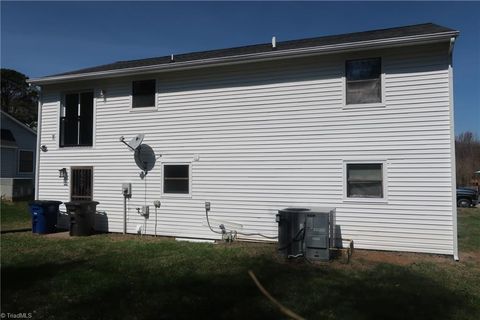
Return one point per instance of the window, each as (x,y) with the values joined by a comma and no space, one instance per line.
(7,138)
(143,93)
(176,178)
(81,188)
(363,81)
(365,180)
(76,120)
(25,161)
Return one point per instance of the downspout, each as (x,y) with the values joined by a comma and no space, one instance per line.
(452,148)
(38,151)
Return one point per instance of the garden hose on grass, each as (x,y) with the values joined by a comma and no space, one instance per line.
(289,313)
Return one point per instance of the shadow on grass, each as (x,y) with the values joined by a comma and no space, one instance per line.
(25,288)
(27,277)
(101,289)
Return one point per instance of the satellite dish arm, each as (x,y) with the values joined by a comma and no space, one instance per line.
(122,140)
(135,143)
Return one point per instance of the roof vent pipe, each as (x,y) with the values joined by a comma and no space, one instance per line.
(274,42)
(171,58)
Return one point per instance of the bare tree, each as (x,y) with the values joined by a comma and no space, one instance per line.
(467,151)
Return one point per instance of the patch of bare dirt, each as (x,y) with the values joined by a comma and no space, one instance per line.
(398,258)
(58,235)
(470,257)
(118,237)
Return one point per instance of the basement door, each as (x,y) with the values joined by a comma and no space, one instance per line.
(81,184)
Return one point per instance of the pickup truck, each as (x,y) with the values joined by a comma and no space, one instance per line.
(466,197)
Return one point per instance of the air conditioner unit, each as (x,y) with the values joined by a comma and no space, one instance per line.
(307,232)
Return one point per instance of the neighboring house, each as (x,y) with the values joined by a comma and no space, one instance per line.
(18,150)
(361,122)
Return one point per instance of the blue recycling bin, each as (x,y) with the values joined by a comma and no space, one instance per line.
(44,215)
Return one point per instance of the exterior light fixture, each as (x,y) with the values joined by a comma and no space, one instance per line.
(62,173)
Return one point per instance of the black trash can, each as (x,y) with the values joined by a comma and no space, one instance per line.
(44,215)
(82,217)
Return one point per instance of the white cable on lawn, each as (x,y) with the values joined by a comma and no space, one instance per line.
(257,234)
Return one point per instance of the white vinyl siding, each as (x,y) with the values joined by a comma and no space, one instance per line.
(272,135)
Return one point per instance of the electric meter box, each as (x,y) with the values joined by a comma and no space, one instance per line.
(127,189)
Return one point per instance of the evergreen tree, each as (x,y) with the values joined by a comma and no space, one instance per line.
(18,98)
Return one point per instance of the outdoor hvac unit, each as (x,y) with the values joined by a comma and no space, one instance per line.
(308,232)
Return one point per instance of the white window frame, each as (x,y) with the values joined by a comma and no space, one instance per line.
(384,164)
(94,117)
(380,104)
(18,161)
(144,109)
(177,195)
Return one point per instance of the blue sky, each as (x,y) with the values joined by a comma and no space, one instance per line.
(42,38)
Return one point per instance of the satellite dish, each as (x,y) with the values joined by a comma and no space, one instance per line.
(136,141)
(145,157)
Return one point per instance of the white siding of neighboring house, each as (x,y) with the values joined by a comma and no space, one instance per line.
(272,135)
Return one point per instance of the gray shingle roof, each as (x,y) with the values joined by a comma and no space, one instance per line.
(406,31)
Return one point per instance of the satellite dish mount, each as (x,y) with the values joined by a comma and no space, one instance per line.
(135,142)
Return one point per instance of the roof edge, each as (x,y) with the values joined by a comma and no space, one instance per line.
(18,122)
(253,57)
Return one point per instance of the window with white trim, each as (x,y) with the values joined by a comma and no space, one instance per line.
(363,81)
(143,93)
(25,161)
(76,120)
(365,180)
(176,178)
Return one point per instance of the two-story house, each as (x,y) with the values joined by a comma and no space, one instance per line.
(361,122)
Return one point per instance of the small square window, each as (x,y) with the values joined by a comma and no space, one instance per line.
(143,93)
(25,161)
(363,81)
(365,180)
(176,178)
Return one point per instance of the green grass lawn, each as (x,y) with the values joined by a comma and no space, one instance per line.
(469,229)
(15,215)
(129,277)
